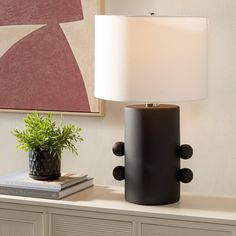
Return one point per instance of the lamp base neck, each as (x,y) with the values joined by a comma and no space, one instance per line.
(152,104)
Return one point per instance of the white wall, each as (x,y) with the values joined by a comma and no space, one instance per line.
(209,126)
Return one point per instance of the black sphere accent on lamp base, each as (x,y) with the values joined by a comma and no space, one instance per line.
(119,149)
(185,151)
(185,175)
(119,173)
(152,152)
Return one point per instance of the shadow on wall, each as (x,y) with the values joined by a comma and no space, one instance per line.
(115,112)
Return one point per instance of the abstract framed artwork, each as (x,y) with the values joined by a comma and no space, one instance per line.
(47,56)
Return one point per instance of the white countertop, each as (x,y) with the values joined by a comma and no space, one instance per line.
(111,199)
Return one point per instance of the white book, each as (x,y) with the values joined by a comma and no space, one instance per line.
(47,194)
(22,180)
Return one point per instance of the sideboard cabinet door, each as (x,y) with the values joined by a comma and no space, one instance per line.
(20,223)
(64,225)
(189,229)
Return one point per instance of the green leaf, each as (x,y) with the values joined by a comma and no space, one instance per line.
(42,133)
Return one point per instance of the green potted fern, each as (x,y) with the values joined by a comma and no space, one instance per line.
(44,140)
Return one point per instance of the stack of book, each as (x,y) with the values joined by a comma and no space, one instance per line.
(20,184)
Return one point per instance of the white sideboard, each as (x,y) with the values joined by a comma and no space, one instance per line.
(102,211)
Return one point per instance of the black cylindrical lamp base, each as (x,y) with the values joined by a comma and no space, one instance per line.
(152,139)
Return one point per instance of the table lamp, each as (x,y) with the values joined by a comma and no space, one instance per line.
(152,60)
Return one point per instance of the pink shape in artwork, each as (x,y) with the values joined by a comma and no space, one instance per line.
(16,12)
(40,73)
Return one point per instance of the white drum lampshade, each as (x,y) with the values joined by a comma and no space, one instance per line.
(150,59)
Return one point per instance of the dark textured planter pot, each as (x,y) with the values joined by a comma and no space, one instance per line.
(43,166)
